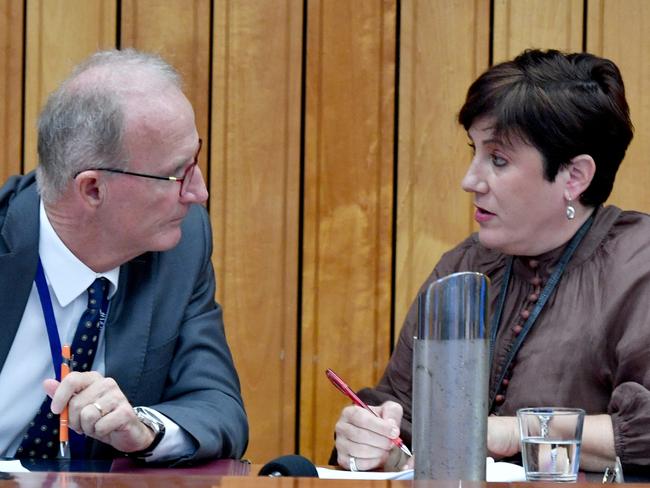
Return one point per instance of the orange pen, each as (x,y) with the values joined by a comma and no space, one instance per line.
(64,444)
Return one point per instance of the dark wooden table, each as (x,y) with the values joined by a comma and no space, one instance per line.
(222,473)
(176,479)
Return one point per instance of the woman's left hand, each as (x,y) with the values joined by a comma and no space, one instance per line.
(502,436)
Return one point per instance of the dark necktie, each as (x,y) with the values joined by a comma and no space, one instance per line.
(41,441)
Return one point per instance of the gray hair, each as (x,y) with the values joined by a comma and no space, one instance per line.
(82,123)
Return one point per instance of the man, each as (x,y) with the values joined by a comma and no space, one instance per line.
(120,196)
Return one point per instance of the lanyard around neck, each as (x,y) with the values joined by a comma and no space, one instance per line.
(543,298)
(50,320)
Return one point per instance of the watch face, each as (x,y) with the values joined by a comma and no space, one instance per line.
(152,422)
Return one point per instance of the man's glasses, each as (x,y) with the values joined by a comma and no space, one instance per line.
(184,180)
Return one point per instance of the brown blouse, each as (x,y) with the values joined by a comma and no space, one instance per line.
(590,345)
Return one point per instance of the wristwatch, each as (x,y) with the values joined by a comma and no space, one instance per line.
(155,424)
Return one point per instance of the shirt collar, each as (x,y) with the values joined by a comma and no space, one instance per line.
(66,274)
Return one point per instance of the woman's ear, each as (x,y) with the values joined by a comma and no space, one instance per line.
(580,173)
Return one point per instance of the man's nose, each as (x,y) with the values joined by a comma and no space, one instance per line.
(197,191)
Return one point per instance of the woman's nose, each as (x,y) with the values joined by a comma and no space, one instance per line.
(473,182)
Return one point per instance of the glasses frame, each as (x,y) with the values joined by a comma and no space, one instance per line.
(187,174)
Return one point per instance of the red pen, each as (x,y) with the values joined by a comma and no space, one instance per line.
(347,391)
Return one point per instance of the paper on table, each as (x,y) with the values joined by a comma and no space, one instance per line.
(503,471)
(12,466)
(340,474)
(493,472)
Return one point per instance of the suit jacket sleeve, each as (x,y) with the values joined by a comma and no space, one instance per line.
(202,393)
(166,344)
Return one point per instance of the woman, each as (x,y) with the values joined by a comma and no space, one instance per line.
(548,132)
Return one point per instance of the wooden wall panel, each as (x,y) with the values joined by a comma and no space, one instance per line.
(179,30)
(255,203)
(242,64)
(60,33)
(620,30)
(348,195)
(443,48)
(11,87)
(544,24)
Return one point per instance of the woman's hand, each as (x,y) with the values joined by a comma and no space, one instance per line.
(366,438)
(502,436)
(597,451)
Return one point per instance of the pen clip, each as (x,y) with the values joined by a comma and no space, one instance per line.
(66,354)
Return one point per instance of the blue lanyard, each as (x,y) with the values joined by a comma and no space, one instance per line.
(50,320)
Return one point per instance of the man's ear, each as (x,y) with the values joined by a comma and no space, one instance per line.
(89,188)
(580,174)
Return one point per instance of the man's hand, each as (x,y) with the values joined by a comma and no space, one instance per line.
(98,408)
(365,437)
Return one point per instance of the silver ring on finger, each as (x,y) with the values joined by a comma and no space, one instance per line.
(353,464)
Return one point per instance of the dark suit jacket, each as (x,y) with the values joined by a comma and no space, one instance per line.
(165,341)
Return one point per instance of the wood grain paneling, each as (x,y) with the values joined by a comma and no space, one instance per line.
(620,30)
(11,87)
(255,204)
(544,24)
(179,30)
(444,47)
(60,33)
(242,65)
(348,196)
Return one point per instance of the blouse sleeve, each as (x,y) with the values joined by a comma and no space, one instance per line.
(630,411)
(629,406)
(628,337)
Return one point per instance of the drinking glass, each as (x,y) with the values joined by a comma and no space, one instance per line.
(550,442)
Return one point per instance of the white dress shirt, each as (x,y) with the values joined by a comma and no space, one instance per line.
(29,361)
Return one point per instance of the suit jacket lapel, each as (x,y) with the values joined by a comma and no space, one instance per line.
(129,321)
(128,326)
(18,260)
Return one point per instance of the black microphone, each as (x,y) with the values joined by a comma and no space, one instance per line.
(290,465)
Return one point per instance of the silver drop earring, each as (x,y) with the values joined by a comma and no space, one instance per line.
(570,211)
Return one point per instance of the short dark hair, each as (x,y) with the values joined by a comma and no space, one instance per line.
(562,104)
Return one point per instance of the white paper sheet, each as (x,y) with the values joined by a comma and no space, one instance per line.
(493,472)
(340,474)
(12,466)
